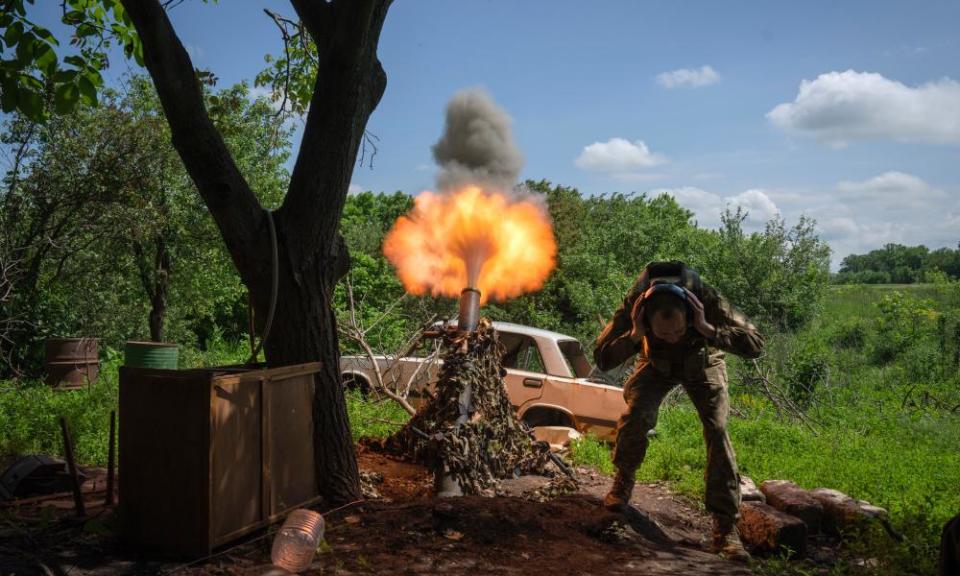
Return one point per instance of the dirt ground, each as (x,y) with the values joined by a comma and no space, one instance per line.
(406,531)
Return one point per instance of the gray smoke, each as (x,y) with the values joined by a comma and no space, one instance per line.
(477,145)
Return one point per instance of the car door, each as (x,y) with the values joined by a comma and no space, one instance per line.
(596,406)
(524,366)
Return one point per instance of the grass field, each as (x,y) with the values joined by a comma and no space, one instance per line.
(876,372)
(886,428)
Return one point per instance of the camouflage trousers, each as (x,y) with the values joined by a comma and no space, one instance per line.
(705,380)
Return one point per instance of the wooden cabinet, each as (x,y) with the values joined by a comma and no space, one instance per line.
(208,455)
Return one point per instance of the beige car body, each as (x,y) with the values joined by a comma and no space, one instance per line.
(549,380)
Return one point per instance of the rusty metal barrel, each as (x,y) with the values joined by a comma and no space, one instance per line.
(71,362)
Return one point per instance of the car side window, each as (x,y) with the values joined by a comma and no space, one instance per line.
(521,353)
(532,362)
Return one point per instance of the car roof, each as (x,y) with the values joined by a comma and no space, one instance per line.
(521,329)
(530,331)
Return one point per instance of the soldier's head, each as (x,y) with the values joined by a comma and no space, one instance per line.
(666,315)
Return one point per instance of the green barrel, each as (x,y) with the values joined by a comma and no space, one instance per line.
(150,355)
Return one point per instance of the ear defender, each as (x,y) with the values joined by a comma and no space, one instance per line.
(667,287)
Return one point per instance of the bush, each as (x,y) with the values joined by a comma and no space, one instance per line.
(806,369)
(850,335)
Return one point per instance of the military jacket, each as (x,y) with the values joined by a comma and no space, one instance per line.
(735,334)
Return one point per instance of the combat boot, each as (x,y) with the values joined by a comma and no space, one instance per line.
(618,498)
(726,542)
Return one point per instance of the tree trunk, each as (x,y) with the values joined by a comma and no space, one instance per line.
(304,329)
(312,257)
(161,285)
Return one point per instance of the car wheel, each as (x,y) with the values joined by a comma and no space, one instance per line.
(352,382)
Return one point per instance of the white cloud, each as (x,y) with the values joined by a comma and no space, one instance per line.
(618,157)
(705,76)
(257,92)
(758,205)
(839,107)
(886,183)
(354,189)
(708,206)
(856,216)
(853,216)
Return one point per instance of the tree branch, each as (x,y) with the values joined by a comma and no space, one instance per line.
(228,196)
(350,82)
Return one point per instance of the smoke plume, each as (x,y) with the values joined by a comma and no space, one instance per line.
(477,145)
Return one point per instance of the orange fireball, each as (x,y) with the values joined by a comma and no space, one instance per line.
(473,237)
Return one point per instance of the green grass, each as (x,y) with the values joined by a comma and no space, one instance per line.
(883,433)
(30,410)
(373,418)
(867,443)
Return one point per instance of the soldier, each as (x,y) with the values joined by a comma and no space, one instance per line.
(679,328)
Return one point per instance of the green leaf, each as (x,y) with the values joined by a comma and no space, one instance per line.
(44,56)
(45,34)
(13,33)
(30,103)
(75,60)
(65,98)
(87,90)
(73,17)
(138,51)
(64,76)
(25,49)
(8,94)
(86,29)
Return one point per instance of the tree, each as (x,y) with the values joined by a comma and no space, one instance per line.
(164,219)
(348,85)
(339,61)
(63,177)
(116,241)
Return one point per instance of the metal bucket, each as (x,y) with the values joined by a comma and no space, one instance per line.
(71,362)
(163,355)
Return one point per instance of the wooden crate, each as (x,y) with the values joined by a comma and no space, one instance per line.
(208,455)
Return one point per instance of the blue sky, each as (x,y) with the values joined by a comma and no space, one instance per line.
(701,100)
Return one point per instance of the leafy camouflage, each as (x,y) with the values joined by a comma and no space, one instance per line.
(492,443)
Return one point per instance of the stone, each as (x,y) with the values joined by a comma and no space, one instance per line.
(871,510)
(765,530)
(787,497)
(749,491)
(841,512)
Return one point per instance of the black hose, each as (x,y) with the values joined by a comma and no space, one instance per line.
(274,286)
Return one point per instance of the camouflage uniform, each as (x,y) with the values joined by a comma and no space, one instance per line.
(698,365)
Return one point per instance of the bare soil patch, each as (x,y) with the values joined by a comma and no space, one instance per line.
(406,531)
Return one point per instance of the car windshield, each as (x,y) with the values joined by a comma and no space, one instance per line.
(575,357)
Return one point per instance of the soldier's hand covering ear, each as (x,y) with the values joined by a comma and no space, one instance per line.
(699,319)
(636,314)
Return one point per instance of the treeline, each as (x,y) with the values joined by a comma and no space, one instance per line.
(777,276)
(104,235)
(899,264)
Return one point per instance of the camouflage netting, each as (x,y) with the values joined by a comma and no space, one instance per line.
(492,445)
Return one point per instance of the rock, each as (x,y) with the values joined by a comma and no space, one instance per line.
(871,510)
(749,491)
(766,530)
(558,437)
(787,497)
(841,512)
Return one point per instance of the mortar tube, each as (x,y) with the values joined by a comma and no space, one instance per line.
(469,314)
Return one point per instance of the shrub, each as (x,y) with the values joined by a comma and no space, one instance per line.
(850,335)
(806,369)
